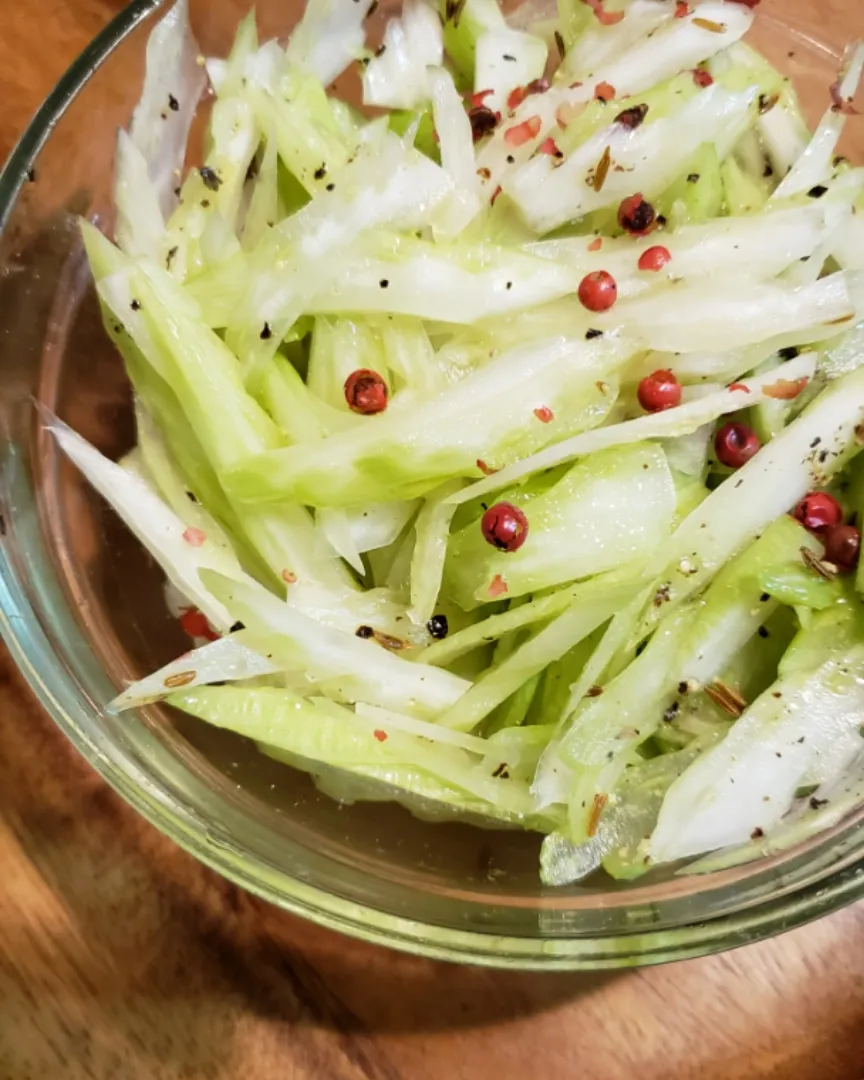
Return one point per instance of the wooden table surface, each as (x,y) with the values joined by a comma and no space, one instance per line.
(120,957)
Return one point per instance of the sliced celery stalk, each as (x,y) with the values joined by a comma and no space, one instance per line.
(806,728)
(488,417)
(568,536)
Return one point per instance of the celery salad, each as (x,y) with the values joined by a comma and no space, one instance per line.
(500,443)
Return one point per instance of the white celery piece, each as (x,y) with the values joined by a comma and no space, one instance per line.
(456,143)
(341,664)
(396,77)
(758,245)
(225,660)
(469,283)
(179,549)
(504,60)
(676,423)
(599,46)
(329,37)
(748,782)
(140,224)
(550,193)
(173,84)
(347,608)
(816,164)
(489,416)
(700,317)
(679,44)
(606,512)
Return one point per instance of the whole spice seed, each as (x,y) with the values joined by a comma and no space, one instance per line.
(818,511)
(812,562)
(710,25)
(601,170)
(505,527)
(438,627)
(843,546)
(702,78)
(633,117)
(366,392)
(726,697)
(483,121)
(182,678)
(636,216)
(659,391)
(735,444)
(596,812)
(598,291)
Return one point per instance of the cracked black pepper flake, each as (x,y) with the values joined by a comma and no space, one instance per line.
(173,103)
(320,172)
(135,305)
(364,632)
(591,334)
(211,179)
(763,632)
(501,772)
(169,258)
(559,44)
(384,283)
(818,191)
(31,175)
(693,178)
(237,626)
(331,187)
(511,160)
(266,333)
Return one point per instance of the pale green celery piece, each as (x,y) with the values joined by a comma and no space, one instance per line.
(210,197)
(660,101)
(574,17)
(625,823)
(797,586)
(742,194)
(342,665)
(693,646)
(690,491)
(326,734)
(287,399)
(409,356)
(310,142)
(206,382)
(568,536)
(164,474)
(513,712)
(548,645)
(463,24)
(244,46)
(488,416)
(697,195)
(263,211)
(424,139)
(804,730)
(838,627)
(432,530)
(539,609)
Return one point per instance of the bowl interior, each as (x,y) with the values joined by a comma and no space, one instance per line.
(83,603)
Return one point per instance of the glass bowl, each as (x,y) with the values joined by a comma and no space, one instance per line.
(81,607)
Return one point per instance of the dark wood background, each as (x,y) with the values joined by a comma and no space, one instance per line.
(121,958)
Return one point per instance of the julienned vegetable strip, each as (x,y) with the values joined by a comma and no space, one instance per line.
(501,451)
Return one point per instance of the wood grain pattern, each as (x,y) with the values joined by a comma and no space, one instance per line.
(120,957)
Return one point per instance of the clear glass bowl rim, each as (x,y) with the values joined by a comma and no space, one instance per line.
(838,878)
